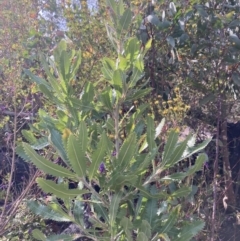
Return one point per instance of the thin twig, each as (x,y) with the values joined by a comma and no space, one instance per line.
(215,170)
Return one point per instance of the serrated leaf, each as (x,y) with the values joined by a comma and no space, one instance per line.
(118,79)
(147,160)
(117,182)
(37,80)
(29,136)
(142,237)
(106,100)
(127,151)
(136,75)
(132,49)
(56,139)
(148,195)
(114,205)
(76,156)
(181,192)
(198,164)
(125,20)
(47,212)
(150,133)
(45,165)
(177,154)
(171,220)
(151,208)
(40,143)
(192,150)
(76,62)
(139,94)
(146,228)
(38,234)
(83,136)
(169,147)
(190,230)
(59,190)
(127,226)
(88,93)
(98,155)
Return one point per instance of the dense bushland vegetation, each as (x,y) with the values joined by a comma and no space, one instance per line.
(121,118)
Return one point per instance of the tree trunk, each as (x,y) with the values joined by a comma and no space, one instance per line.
(229,200)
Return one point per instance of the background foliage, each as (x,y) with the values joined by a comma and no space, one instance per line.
(188,74)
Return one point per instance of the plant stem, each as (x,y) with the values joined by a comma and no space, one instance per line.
(116,122)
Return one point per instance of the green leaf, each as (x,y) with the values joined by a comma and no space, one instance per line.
(38,234)
(147,160)
(207,98)
(59,190)
(171,220)
(118,79)
(37,79)
(171,41)
(169,147)
(142,237)
(47,212)
(192,150)
(190,230)
(41,143)
(198,164)
(83,136)
(146,228)
(118,181)
(127,151)
(62,237)
(150,133)
(148,195)
(177,154)
(233,38)
(45,165)
(76,63)
(127,226)
(139,94)
(125,21)
(236,78)
(153,19)
(106,100)
(114,205)
(132,49)
(29,136)
(108,68)
(181,192)
(151,208)
(56,139)
(175,177)
(136,76)
(88,93)
(98,155)
(76,156)
(235,23)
